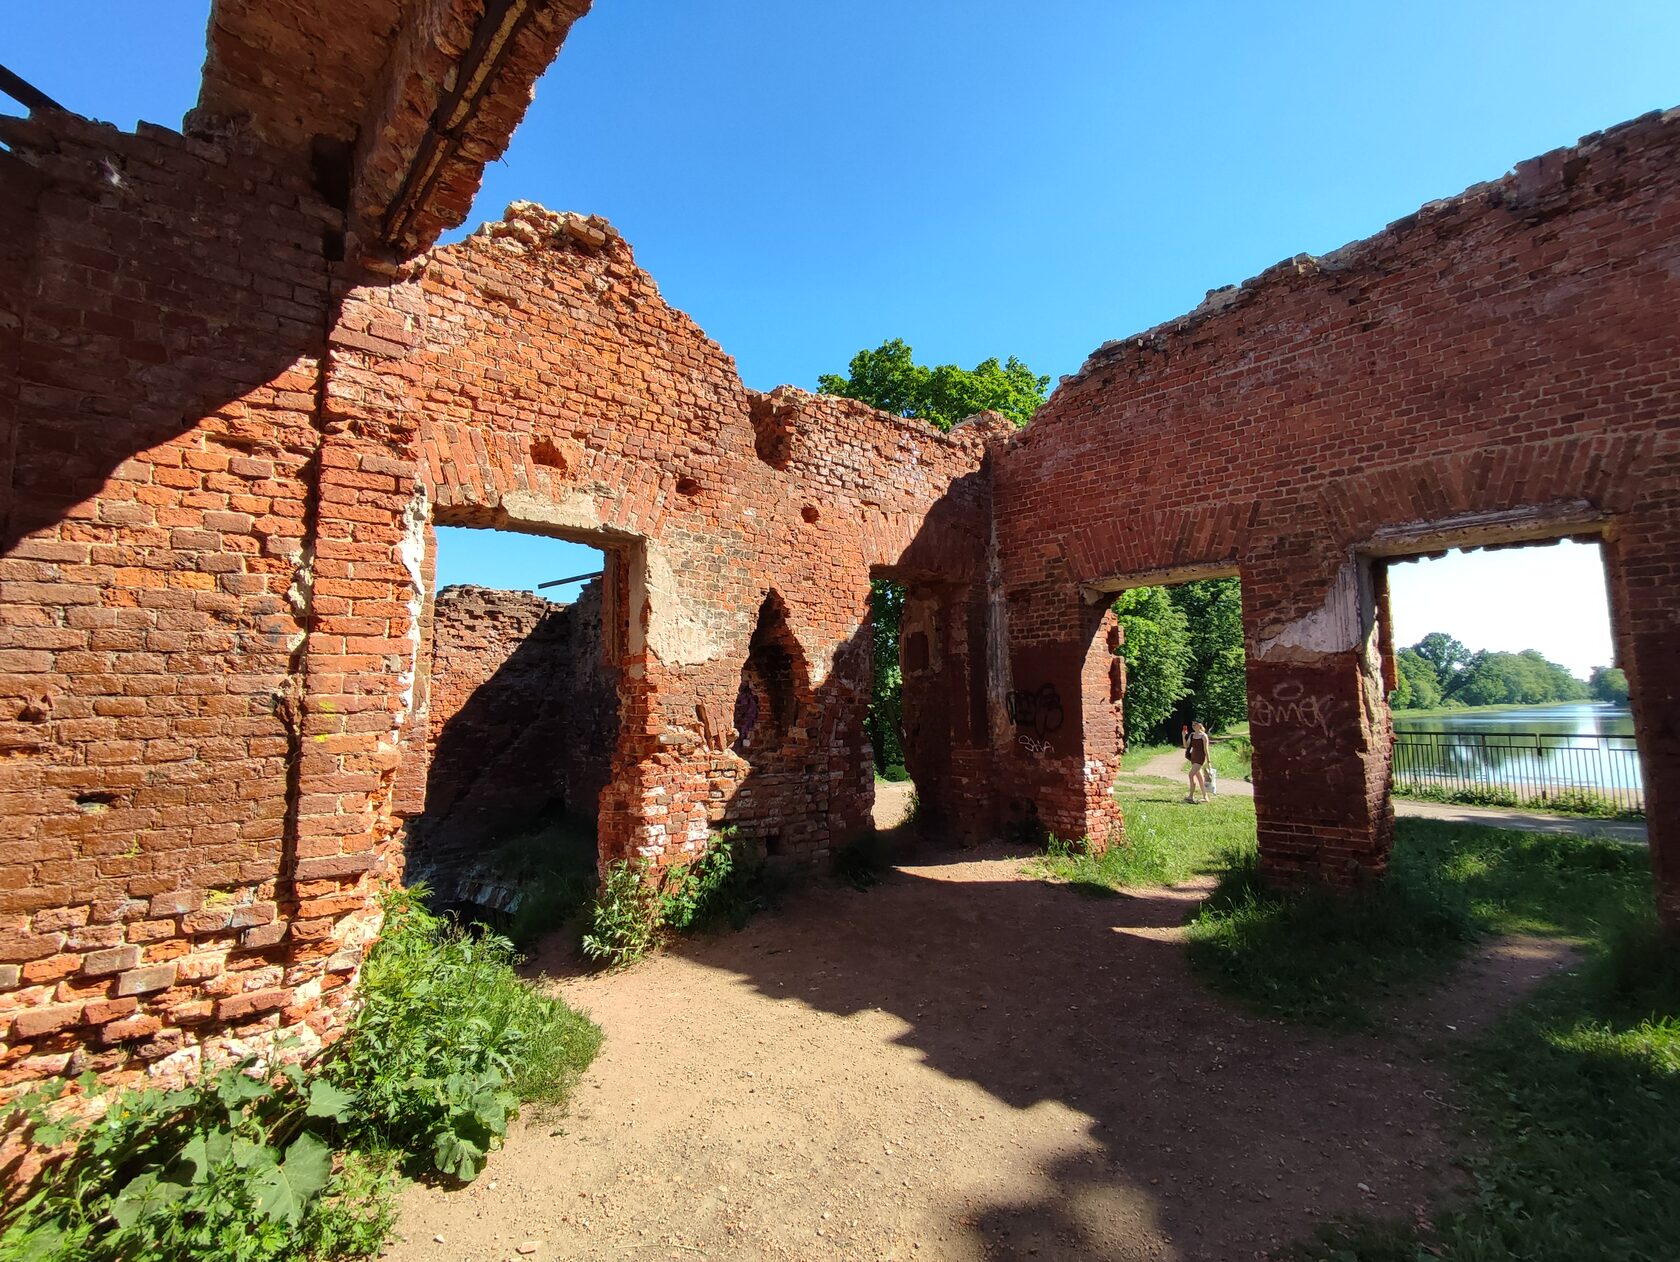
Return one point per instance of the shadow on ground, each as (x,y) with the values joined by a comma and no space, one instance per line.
(1194,1130)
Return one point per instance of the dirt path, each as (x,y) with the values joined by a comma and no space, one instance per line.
(959,1063)
(1170,766)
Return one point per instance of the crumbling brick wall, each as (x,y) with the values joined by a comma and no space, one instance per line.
(561,394)
(523,718)
(215,595)
(1502,365)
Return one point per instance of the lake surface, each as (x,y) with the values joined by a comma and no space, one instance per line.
(1532,751)
(1583,718)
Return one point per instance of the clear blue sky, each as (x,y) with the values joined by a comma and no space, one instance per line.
(981,178)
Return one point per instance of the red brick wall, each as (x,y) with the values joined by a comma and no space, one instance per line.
(554,391)
(1503,364)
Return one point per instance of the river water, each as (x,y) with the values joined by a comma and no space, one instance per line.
(1531,750)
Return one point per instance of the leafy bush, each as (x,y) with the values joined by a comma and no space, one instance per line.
(252,1164)
(717,887)
(624,919)
(896,773)
(635,908)
(450,1041)
(238,1166)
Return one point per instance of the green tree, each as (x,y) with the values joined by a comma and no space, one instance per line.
(1608,683)
(1218,679)
(1445,655)
(889,378)
(1156,646)
(1525,678)
(1419,688)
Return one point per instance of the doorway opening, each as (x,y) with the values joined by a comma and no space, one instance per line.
(521,649)
(1185,664)
(894,802)
(1502,681)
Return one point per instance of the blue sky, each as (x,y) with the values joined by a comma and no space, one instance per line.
(982,178)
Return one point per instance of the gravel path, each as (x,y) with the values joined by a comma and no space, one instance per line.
(959,1063)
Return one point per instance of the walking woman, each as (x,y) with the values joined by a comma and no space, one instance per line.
(1196,750)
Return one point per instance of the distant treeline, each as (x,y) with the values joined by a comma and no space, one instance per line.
(1439,671)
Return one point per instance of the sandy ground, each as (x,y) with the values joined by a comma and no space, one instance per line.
(958,1063)
(1171,766)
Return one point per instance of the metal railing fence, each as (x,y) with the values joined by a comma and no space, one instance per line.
(1530,767)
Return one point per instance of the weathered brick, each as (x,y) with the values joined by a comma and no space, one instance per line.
(142,981)
(112,960)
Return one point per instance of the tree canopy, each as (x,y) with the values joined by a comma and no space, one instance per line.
(1440,671)
(1184,657)
(889,378)
(1608,683)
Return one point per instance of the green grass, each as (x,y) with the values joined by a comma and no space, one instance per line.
(1333,958)
(1167,840)
(1572,1124)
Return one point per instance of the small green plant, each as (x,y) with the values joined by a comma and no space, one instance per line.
(720,886)
(624,919)
(1067,847)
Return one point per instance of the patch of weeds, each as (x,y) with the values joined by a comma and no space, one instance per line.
(636,907)
(624,918)
(723,886)
(450,1041)
(260,1162)
(895,773)
(1325,956)
(237,1166)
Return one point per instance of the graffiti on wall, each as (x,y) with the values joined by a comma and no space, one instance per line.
(1303,718)
(1039,713)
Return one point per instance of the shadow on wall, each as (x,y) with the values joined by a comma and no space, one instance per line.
(1184,1118)
(534,733)
(182,332)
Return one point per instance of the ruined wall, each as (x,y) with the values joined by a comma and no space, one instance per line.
(552,389)
(200,697)
(1501,365)
(523,721)
(150,601)
(225,462)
